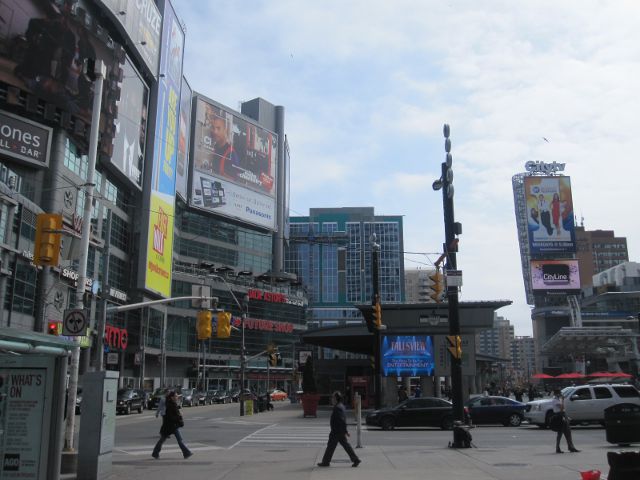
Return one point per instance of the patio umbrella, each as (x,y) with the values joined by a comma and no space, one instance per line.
(541,375)
(570,375)
(609,375)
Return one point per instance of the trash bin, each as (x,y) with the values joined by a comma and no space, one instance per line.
(623,465)
(622,423)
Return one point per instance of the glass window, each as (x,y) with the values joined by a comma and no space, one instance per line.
(627,392)
(581,394)
(602,392)
(74,161)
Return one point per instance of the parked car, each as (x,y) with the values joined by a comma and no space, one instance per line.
(278,395)
(210,397)
(129,399)
(146,396)
(495,409)
(158,393)
(583,403)
(200,397)
(189,397)
(414,412)
(246,395)
(222,396)
(234,394)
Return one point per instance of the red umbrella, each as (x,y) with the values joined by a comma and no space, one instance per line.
(570,375)
(609,374)
(541,375)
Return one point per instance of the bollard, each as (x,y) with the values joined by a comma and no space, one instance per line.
(358,412)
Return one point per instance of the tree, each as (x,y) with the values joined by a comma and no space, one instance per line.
(309,377)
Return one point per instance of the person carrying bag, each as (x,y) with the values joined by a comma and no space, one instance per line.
(172,422)
(561,423)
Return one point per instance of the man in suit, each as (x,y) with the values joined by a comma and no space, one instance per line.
(338,433)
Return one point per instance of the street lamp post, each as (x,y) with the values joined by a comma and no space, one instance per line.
(375,300)
(451,228)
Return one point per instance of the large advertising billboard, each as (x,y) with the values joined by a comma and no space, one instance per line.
(165,149)
(131,126)
(139,21)
(550,215)
(233,166)
(183,140)
(46,43)
(407,355)
(558,276)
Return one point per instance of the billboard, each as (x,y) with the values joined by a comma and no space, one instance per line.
(183,140)
(140,22)
(550,215)
(131,126)
(163,175)
(559,276)
(233,166)
(24,140)
(407,355)
(46,44)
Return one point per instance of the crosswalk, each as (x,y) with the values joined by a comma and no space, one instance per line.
(289,436)
(167,449)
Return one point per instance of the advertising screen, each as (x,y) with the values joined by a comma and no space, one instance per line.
(555,275)
(234,166)
(550,215)
(131,126)
(46,43)
(409,355)
(184,128)
(163,176)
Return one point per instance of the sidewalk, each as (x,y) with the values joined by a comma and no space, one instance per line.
(378,462)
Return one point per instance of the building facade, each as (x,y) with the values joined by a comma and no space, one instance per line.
(417,285)
(598,250)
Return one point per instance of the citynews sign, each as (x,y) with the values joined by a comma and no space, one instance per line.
(542,167)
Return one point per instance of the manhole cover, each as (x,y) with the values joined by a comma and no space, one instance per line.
(510,464)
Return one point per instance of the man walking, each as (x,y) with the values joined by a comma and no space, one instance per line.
(338,433)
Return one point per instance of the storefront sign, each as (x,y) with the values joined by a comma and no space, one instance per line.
(25,140)
(112,358)
(273,297)
(118,294)
(73,275)
(264,325)
(116,337)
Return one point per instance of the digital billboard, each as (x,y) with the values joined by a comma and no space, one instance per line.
(560,276)
(46,43)
(233,166)
(163,175)
(131,126)
(407,355)
(550,215)
(184,128)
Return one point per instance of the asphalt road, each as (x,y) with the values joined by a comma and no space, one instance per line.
(220,427)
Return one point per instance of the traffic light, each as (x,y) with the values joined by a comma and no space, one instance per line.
(377,315)
(48,239)
(203,324)
(224,325)
(53,328)
(437,286)
(455,346)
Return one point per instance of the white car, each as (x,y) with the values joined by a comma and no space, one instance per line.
(583,403)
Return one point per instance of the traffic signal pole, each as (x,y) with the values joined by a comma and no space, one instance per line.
(375,301)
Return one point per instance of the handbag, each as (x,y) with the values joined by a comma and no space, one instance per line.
(180,422)
(556,421)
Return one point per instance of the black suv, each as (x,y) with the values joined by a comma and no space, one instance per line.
(129,399)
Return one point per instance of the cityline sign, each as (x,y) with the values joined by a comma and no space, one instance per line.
(542,167)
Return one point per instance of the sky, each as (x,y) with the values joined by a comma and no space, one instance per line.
(368,84)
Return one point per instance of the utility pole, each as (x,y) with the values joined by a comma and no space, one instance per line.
(451,229)
(375,301)
(97,73)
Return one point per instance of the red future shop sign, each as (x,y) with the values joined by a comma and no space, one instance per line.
(264,325)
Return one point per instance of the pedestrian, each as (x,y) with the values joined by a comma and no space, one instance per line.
(417,392)
(338,433)
(561,423)
(171,423)
(402,394)
(532,393)
(518,394)
(162,406)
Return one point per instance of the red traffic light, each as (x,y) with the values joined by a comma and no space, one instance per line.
(53,328)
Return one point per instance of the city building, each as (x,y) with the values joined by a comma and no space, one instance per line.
(210,219)
(598,250)
(417,285)
(523,359)
(496,341)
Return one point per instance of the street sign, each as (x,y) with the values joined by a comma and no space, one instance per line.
(75,323)
(453,278)
(112,358)
(201,291)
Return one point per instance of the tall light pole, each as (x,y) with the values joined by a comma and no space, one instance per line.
(375,301)
(99,71)
(451,229)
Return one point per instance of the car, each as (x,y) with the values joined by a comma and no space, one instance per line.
(414,412)
(278,395)
(146,396)
(128,399)
(495,409)
(246,395)
(583,403)
(155,397)
(234,394)
(221,396)
(201,398)
(189,397)
(210,397)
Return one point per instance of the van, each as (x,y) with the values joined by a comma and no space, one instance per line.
(583,403)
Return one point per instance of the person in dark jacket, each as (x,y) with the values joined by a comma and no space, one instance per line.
(171,424)
(338,433)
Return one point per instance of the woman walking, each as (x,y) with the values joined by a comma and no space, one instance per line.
(560,423)
(171,423)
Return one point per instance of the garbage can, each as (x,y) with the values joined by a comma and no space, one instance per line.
(622,423)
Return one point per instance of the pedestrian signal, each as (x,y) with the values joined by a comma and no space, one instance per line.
(224,325)
(203,324)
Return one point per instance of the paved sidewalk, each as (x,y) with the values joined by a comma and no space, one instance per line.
(263,462)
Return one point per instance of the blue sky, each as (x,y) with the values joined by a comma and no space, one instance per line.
(367,86)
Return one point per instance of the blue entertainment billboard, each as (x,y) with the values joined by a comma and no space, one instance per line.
(407,355)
